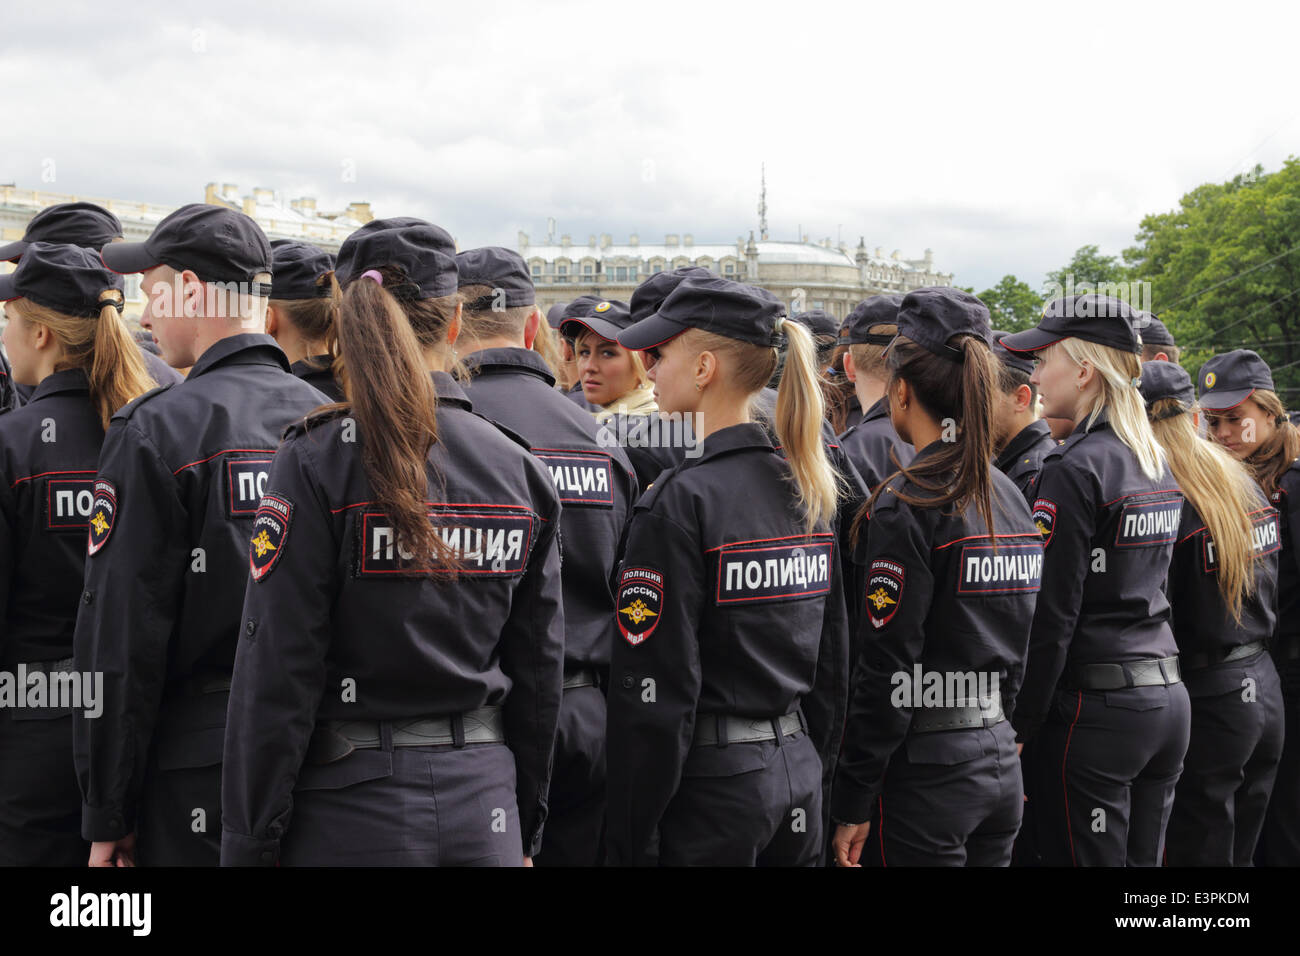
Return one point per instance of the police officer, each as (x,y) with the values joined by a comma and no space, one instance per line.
(1223,591)
(178,484)
(1157,341)
(62,311)
(719,739)
(572,384)
(1102,710)
(398,683)
(509,383)
(92,227)
(300,315)
(1022,438)
(825,331)
(952,562)
(1244,414)
(872,444)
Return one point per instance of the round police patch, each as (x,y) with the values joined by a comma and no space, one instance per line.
(640,603)
(884,591)
(603,307)
(270,532)
(1210,379)
(103,512)
(1045,518)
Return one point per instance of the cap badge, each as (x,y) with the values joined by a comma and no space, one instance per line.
(1210,380)
(603,307)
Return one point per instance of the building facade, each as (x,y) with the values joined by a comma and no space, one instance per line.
(805,275)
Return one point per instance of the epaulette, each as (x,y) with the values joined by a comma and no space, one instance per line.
(127,410)
(312,419)
(651,494)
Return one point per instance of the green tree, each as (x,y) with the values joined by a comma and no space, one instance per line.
(1085,271)
(1013,305)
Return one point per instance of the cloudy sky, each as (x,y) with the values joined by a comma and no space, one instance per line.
(1000,135)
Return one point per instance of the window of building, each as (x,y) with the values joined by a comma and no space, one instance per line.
(562,271)
(588,270)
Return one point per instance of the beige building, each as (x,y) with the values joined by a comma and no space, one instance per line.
(804,274)
(295,219)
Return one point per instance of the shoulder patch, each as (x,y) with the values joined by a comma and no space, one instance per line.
(640,603)
(884,591)
(270,535)
(103,512)
(580,477)
(780,569)
(1044,515)
(127,410)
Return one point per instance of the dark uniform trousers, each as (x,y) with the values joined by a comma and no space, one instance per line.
(40,803)
(575,824)
(1103,771)
(746,804)
(407,806)
(951,798)
(1279,843)
(1230,764)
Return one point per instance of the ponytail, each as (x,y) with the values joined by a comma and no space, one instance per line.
(394,404)
(100,346)
(1222,492)
(959,473)
(800,410)
(1275,454)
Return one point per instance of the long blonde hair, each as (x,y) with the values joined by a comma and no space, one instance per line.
(100,346)
(1120,398)
(799,409)
(1221,490)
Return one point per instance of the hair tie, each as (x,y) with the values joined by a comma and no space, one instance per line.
(120,306)
(1135,382)
(373,274)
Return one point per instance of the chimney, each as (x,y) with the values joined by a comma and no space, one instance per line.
(591,240)
(250,207)
(521,240)
(606,240)
(895,254)
(360,211)
(634,240)
(880,253)
(688,240)
(263,195)
(306,205)
(565,242)
(929,258)
(211,196)
(229,191)
(670,240)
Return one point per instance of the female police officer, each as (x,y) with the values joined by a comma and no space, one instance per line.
(1244,414)
(397,688)
(728,680)
(300,314)
(928,754)
(1102,706)
(1223,591)
(67,341)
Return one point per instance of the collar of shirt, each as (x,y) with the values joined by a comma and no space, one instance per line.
(879,410)
(450,392)
(734,438)
(253,348)
(1030,435)
(639,401)
(931,449)
(513,359)
(68,380)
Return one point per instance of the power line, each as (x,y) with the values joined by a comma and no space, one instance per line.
(1230,278)
(1248,315)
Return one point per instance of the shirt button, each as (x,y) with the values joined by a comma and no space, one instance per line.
(628,682)
(88,597)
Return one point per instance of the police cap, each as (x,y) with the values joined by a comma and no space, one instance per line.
(423,253)
(78,223)
(932,316)
(60,276)
(295,267)
(498,268)
(215,243)
(721,306)
(606,317)
(1011,359)
(1100,319)
(650,294)
(1229,379)
(1161,379)
(818,322)
(867,315)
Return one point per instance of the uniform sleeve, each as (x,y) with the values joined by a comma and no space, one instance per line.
(1065,507)
(655,682)
(279,675)
(133,588)
(853,494)
(825,706)
(891,639)
(8,545)
(532,656)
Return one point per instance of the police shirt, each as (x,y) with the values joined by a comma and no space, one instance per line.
(1022,458)
(334,629)
(1109,533)
(157,369)
(1287,502)
(1202,624)
(316,371)
(48,451)
(725,606)
(594,479)
(179,480)
(869,444)
(941,598)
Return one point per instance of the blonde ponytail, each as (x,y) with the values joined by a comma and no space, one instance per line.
(1222,492)
(800,409)
(1119,397)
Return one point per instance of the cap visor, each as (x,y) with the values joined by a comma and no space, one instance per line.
(606,330)
(1222,401)
(650,332)
(12,250)
(1030,340)
(126,258)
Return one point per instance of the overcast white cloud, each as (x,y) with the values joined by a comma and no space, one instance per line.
(1003,135)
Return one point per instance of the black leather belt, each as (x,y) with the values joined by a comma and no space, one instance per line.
(335,739)
(927,720)
(1192,662)
(1153,673)
(580,678)
(718,730)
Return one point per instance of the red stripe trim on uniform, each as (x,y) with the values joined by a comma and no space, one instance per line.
(224,451)
(880,833)
(19,481)
(793,537)
(448,504)
(1064,789)
(986,537)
